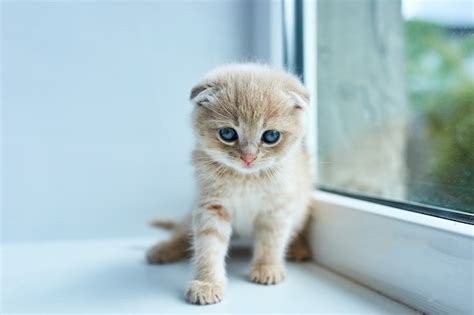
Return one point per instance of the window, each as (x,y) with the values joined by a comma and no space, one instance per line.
(390,137)
(395,95)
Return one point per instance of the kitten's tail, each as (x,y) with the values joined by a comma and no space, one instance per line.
(165,224)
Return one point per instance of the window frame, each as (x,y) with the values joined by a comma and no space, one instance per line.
(437,254)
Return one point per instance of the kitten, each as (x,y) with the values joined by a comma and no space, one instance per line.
(253,177)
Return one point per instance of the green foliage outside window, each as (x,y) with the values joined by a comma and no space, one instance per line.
(440,83)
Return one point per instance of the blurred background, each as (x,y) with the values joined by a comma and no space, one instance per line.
(95,116)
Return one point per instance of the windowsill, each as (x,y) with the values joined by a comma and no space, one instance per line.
(111,276)
(423,261)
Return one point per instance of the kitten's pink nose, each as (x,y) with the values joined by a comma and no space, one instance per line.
(248,158)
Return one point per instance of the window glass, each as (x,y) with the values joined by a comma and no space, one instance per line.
(396,100)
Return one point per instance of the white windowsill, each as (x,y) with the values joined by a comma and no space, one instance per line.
(420,260)
(111,276)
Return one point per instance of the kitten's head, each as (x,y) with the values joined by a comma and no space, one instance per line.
(249,117)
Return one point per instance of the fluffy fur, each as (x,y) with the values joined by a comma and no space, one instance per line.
(268,201)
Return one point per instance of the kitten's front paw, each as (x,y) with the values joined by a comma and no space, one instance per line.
(267,274)
(202,293)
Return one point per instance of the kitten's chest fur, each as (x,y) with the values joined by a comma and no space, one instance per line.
(245,203)
(248,198)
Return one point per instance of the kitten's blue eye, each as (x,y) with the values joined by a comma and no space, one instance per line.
(228,134)
(271,136)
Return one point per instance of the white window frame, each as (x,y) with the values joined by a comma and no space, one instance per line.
(422,261)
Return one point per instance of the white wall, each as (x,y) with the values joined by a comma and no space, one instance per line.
(95,112)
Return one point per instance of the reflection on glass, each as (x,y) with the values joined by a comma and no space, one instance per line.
(396,100)
(440,86)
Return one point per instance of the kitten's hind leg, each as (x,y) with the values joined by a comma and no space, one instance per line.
(299,249)
(174,249)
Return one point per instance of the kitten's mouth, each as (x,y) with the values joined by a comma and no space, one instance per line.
(250,164)
(250,168)
(247,168)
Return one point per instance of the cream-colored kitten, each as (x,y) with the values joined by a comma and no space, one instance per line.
(253,177)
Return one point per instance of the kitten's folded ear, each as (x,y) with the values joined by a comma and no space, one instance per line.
(299,97)
(203,93)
